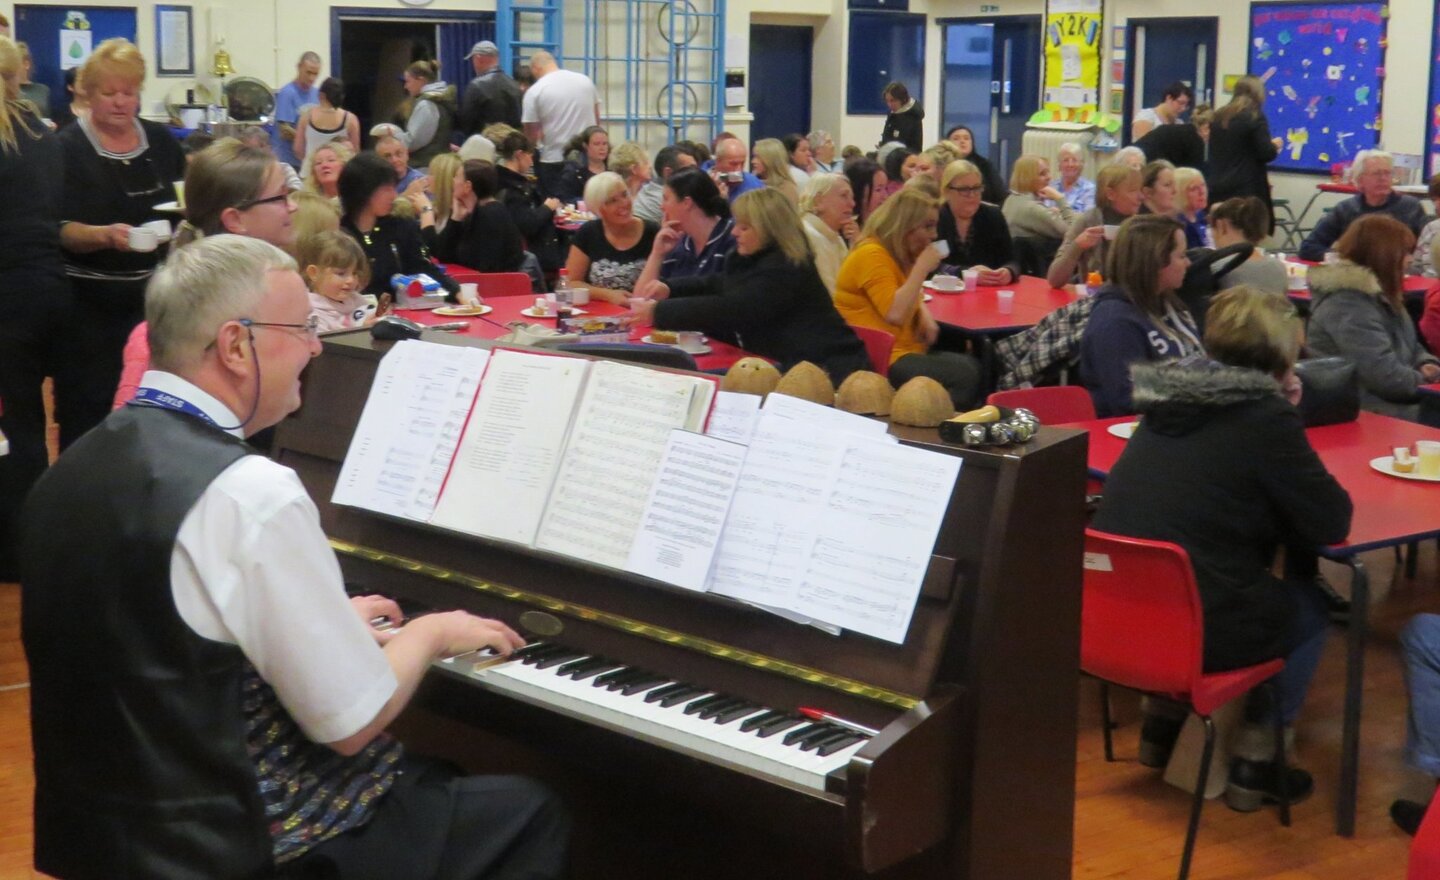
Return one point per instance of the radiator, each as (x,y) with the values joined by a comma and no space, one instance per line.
(1045,143)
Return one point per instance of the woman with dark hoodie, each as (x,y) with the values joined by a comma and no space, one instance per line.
(1137,317)
(1358,313)
(1220,465)
(905,122)
(533,216)
(769,300)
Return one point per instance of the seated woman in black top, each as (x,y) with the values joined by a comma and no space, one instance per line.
(607,254)
(1221,466)
(590,155)
(393,246)
(532,214)
(480,234)
(770,300)
(978,236)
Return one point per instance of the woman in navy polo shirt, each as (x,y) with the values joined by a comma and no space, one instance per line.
(696,236)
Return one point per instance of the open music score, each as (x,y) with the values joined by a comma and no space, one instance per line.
(815,514)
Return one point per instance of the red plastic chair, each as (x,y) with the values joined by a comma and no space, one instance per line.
(490,284)
(1052,404)
(1425,849)
(1142,628)
(878,346)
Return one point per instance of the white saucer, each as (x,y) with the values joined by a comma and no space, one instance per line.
(1385,465)
(531,313)
(1124,430)
(169,208)
(948,291)
(688,349)
(463,311)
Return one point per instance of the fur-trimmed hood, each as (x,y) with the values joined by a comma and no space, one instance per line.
(1178,396)
(1344,275)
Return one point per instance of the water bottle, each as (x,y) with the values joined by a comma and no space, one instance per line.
(564,297)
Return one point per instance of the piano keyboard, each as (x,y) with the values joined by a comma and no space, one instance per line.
(712,726)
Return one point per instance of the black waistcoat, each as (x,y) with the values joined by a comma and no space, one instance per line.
(140,761)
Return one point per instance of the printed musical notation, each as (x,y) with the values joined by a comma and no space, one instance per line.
(686,509)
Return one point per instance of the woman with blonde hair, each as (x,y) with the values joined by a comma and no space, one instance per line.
(827,207)
(769,300)
(931,163)
(879,286)
(1192,199)
(976,232)
(34,296)
(442,171)
(326,164)
(1026,210)
(1241,146)
(771,164)
(632,164)
(608,253)
(1086,246)
(119,169)
(314,214)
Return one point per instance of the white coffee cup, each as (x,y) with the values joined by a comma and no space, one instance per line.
(143,239)
(1111,230)
(469,294)
(972,279)
(690,338)
(542,305)
(946,282)
(579,296)
(942,247)
(1005,301)
(162,230)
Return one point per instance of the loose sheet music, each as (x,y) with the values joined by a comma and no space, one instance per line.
(620,433)
(686,509)
(734,417)
(511,450)
(407,433)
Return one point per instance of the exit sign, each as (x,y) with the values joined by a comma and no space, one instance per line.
(989,7)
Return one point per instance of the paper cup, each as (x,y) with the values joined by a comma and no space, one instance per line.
(469,294)
(942,247)
(972,279)
(580,296)
(1005,301)
(143,239)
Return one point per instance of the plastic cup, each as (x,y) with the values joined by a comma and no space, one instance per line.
(1005,301)
(143,239)
(180,193)
(972,279)
(942,247)
(1427,453)
(579,296)
(469,294)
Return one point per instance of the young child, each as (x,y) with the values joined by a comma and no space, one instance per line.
(336,270)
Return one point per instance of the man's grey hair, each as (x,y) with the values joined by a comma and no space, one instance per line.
(819,138)
(1364,156)
(309,58)
(201,286)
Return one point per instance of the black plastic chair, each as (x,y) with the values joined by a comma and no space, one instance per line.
(635,353)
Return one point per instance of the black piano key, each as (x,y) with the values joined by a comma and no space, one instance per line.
(583,672)
(704,703)
(571,665)
(719,706)
(543,651)
(798,734)
(784,722)
(661,693)
(532,648)
(683,696)
(556,659)
(810,743)
(835,745)
(621,674)
(649,682)
(774,715)
(739,711)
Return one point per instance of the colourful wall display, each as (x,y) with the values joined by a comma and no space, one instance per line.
(1323,65)
(1432,140)
(1073,32)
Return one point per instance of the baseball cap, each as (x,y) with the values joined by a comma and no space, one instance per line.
(484,47)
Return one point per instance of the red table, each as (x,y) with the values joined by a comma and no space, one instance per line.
(1416,286)
(976,313)
(1389,512)
(507,309)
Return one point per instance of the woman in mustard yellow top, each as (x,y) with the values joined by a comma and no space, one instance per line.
(879,286)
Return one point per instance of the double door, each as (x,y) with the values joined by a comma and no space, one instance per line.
(991,81)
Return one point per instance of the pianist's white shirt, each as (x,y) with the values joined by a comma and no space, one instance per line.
(252,567)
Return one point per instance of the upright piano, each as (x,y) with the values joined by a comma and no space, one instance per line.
(970,772)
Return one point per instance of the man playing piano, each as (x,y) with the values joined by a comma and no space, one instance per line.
(205,700)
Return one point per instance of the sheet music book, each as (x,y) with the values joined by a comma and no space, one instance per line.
(409,428)
(514,439)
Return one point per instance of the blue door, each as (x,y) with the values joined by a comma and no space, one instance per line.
(39,28)
(991,82)
(1167,50)
(779,80)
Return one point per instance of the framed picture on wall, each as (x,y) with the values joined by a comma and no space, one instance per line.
(174,41)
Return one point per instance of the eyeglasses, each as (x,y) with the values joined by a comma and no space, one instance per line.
(286,196)
(966,190)
(311,325)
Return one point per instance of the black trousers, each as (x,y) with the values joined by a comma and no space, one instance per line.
(550,177)
(436,823)
(959,373)
(31,325)
(91,353)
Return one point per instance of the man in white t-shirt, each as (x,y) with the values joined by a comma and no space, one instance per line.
(232,716)
(560,105)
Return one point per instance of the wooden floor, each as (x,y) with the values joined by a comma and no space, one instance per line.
(1128,822)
